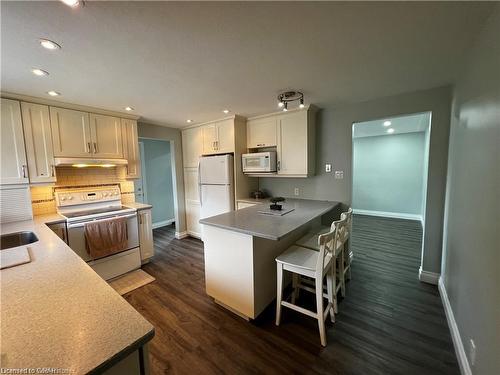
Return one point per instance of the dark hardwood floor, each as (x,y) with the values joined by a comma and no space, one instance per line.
(389,322)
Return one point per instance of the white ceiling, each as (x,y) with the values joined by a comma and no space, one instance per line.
(177,60)
(418,122)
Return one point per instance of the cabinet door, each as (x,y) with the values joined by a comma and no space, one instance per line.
(38,140)
(191,189)
(261,132)
(13,157)
(146,234)
(131,148)
(106,134)
(225,136)
(192,219)
(70,133)
(292,144)
(192,146)
(209,139)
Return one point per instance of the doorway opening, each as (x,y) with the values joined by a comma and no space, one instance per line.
(155,187)
(390,169)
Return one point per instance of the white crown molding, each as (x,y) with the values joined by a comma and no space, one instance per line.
(463,362)
(56,103)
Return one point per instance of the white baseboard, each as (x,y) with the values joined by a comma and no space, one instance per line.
(463,362)
(181,235)
(163,223)
(428,277)
(395,215)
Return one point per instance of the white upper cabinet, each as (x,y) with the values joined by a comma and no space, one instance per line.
(292,145)
(38,140)
(293,135)
(218,137)
(14,169)
(131,148)
(106,133)
(192,146)
(70,133)
(209,139)
(261,132)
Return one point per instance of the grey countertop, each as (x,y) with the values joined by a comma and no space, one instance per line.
(57,312)
(138,206)
(249,221)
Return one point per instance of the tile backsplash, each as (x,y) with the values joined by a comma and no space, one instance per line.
(42,197)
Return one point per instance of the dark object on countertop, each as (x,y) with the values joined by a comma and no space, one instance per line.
(258,194)
(275,205)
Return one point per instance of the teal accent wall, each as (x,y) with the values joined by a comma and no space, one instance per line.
(159,187)
(388,173)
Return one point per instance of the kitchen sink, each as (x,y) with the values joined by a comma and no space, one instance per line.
(17,239)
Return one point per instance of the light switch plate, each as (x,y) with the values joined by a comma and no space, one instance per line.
(296,191)
(339,175)
(328,168)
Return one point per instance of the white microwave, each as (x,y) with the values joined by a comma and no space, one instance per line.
(259,162)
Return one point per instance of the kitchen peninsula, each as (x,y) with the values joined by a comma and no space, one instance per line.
(241,247)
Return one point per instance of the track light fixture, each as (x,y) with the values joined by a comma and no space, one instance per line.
(288,97)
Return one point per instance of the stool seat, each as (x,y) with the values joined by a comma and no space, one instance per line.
(300,257)
(310,239)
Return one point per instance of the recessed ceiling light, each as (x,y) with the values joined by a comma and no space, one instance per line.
(189,121)
(390,130)
(71,3)
(39,72)
(226,111)
(129,109)
(387,123)
(53,93)
(49,44)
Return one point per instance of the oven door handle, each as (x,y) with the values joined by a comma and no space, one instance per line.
(82,224)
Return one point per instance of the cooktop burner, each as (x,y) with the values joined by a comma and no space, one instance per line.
(71,215)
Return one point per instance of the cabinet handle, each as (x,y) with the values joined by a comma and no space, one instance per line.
(261,144)
(89,150)
(140,219)
(217,144)
(279,165)
(23,168)
(95,148)
(52,170)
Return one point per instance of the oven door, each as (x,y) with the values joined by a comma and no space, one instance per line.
(76,235)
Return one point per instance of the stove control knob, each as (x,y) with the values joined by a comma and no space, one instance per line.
(105,194)
(70,197)
(63,198)
(115,193)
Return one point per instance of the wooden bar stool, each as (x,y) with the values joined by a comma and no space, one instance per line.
(310,240)
(302,261)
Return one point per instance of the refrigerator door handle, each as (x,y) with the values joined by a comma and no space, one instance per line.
(199,184)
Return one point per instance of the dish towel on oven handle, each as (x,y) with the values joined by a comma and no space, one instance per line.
(106,237)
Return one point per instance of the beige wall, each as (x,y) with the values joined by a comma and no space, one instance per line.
(174,136)
(334,145)
(471,249)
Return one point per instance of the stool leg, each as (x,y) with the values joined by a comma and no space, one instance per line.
(279,292)
(342,273)
(295,285)
(319,309)
(329,287)
(334,284)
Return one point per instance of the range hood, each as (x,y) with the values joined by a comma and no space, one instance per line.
(86,162)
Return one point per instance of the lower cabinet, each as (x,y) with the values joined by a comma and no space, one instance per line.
(146,234)
(193,206)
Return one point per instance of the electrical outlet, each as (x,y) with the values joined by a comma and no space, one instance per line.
(472,352)
(296,191)
(339,175)
(328,168)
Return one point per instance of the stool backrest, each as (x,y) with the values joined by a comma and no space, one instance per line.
(329,242)
(348,217)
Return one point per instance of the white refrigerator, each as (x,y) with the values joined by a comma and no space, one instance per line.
(215,177)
